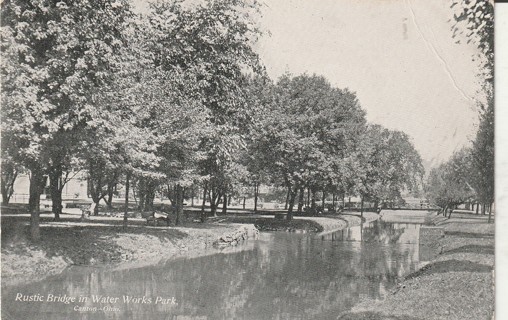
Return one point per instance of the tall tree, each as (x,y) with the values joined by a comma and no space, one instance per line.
(65,52)
(209,44)
(448,185)
(307,135)
(482,155)
(475,18)
(388,165)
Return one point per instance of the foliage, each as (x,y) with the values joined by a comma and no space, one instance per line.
(177,98)
(448,184)
(389,165)
(304,139)
(482,156)
(57,57)
(477,17)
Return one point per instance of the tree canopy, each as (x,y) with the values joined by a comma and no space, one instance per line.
(174,99)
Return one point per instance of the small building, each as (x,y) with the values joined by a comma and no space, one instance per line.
(75,188)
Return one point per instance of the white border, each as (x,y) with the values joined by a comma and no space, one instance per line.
(501,99)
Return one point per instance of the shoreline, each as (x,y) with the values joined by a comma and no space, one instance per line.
(465,263)
(321,225)
(103,243)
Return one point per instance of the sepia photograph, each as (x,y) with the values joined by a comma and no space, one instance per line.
(247,159)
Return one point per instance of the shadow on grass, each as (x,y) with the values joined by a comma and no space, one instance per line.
(469,234)
(472,249)
(80,242)
(14,226)
(84,244)
(369,315)
(450,266)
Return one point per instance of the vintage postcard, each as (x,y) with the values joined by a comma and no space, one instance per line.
(247,159)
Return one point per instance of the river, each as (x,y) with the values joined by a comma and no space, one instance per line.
(279,276)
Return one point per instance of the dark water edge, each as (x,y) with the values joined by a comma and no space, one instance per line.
(279,276)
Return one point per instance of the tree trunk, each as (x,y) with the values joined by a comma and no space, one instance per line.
(323,201)
(213,202)
(109,199)
(95,182)
(150,188)
(126,209)
(490,211)
(361,207)
(179,203)
(141,186)
(256,190)
(35,233)
(213,208)
(287,199)
(300,200)
(450,213)
(244,203)
(313,203)
(334,199)
(291,203)
(36,185)
(225,204)
(203,212)
(483,209)
(56,188)
(96,198)
(134,186)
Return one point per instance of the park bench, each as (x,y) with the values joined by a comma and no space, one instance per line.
(156,216)
(87,210)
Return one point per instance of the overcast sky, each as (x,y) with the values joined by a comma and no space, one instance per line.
(397,55)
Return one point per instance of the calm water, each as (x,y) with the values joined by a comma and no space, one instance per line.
(280,276)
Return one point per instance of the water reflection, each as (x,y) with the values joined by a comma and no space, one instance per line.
(281,276)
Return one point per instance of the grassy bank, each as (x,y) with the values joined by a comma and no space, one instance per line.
(98,241)
(456,284)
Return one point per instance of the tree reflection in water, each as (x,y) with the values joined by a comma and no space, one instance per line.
(281,276)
